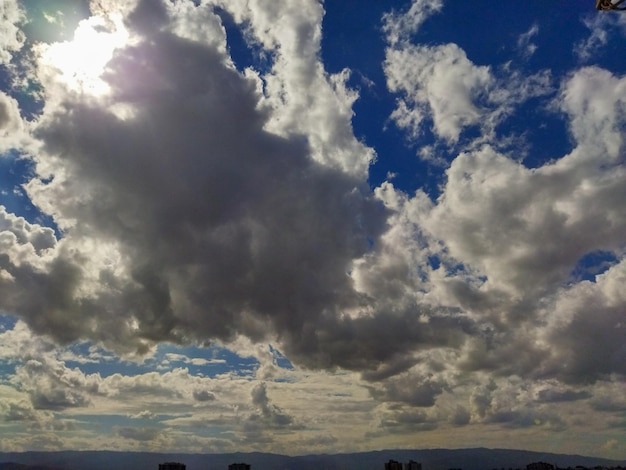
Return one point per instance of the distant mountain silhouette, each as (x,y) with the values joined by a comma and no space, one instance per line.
(431,459)
(19,466)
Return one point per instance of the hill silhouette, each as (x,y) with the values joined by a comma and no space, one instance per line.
(431,459)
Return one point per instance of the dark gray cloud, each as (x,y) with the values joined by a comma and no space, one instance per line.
(608,404)
(203,395)
(557,396)
(402,421)
(461,416)
(517,418)
(223,228)
(410,389)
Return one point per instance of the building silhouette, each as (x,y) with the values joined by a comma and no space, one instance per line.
(539,466)
(412,465)
(395,465)
(172,466)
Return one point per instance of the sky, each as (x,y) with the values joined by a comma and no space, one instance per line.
(300,227)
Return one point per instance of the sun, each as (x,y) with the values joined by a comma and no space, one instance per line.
(78,64)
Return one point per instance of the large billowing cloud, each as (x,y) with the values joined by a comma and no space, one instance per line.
(518,233)
(195,207)
(183,218)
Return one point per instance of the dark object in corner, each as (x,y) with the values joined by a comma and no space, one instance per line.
(606,5)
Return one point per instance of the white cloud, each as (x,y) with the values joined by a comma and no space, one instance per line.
(524,42)
(441,84)
(302,98)
(399,26)
(602,30)
(11,37)
(12,128)
(518,233)
(445,80)
(595,102)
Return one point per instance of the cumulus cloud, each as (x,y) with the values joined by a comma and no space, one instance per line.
(410,389)
(272,415)
(236,219)
(11,37)
(303,99)
(54,388)
(402,421)
(12,127)
(238,227)
(439,84)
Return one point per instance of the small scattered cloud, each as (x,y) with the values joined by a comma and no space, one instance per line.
(524,42)
(399,26)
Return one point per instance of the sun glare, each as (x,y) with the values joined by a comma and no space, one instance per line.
(79,64)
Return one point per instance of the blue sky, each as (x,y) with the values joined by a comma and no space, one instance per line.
(297,226)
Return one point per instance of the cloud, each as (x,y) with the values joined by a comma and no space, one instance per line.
(409,389)
(303,100)
(235,217)
(271,415)
(407,421)
(461,416)
(240,212)
(440,84)
(235,230)
(54,388)
(139,434)
(399,26)
(11,37)
(557,396)
(572,327)
(196,361)
(524,42)
(146,414)
(203,395)
(447,82)
(519,233)
(594,100)
(602,29)
(12,128)
(201,202)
